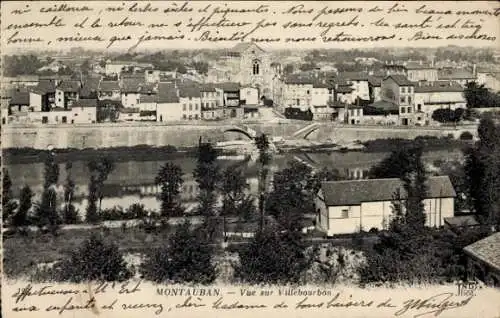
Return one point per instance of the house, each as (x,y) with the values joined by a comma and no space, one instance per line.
(42,96)
(322,97)
(130,91)
(343,92)
(397,89)
(109,90)
(84,111)
(420,71)
(354,115)
(249,95)
(168,106)
(489,78)
(461,75)
(67,92)
(375,87)
(345,207)
(57,115)
(190,99)
(117,67)
(212,101)
(152,76)
(296,92)
(359,82)
(483,261)
(430,96)
(20,101)
(231,99)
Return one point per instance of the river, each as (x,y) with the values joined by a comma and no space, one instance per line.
(133,181)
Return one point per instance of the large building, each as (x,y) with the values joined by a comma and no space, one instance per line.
(344,207)
(249,65)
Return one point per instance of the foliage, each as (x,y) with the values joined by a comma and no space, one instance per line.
(201,67)
(20,218)
(46,215)
(398,163)
(8,204)
(99,172)
(479,96)
(70,213)
(21,65)
(170,180)
(482,170)
(264,159)
(273,258)
(94,260)
(185,259)
(288,69)
(455,171)
(446,115)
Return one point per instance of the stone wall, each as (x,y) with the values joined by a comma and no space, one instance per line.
(128,135)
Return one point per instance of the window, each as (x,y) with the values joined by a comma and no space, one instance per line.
(190,106)
(45,119)
(255,69)
(409,99)
(403,89)
(403,110)
(409,109)
(308,92)
(196,106)
(344,214)
(196,116)
(184,116)
(190,117)
(184,107)
(419,107)
(57,119)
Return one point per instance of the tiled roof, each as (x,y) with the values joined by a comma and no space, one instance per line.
(455,74)
(148,98)
(384,105)
(189,91)
(354,76)
(486,250)
(69,86)
(431,87)
(228,86)
(342,89)
(20,98)
(418,66)
(401,80)
(207,88)
(354,192)
(241,47)
(109,86)
(45,86)
(375,80)
(85,103)
(167,93)
(132,85)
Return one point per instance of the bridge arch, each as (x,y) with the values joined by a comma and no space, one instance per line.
(313,129)
(240,131)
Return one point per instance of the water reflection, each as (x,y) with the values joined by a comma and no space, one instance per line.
(133,181)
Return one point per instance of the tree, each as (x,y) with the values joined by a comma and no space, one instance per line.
(20,218)
(8,204)
(94,260)
(207,175)
(201,67)
(70,213)
(399,163)
(272,258)
(262,144)
(170,180)
(99,172)
(288,69)
(479,96)
(482,170)
(46,214)
(85,67)
(443,115)
(187,258)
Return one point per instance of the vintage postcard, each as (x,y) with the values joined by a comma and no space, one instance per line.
(250,159)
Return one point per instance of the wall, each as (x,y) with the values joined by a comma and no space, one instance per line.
(186,134)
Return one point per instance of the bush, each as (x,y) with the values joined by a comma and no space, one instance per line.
(185,259)
(95,260)
(444,115)
(273,258)
(466,135)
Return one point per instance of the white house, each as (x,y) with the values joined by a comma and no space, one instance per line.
(168,106)
(84,111)
(344,207)
(190,98)
(436,95)
(250,95)
(359,83)
(109,90)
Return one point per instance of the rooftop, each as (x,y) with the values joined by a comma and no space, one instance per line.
(45,86)
(401,80)
(20,98)
(167,93)
(486,250)
(228,86)
(109,86)
(69,86)
(189,91)
(85,103)
(354,192)
(432,87)
(418,65)
(455,74)
(384,105)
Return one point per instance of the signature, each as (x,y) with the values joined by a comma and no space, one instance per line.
(437,304)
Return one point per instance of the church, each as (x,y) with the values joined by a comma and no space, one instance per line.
(249,65)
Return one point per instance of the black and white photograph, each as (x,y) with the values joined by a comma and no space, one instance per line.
(245,158)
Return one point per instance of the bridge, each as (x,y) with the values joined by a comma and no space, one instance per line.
(242,129)
(303,133)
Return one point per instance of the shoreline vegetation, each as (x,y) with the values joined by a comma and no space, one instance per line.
(150,153)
